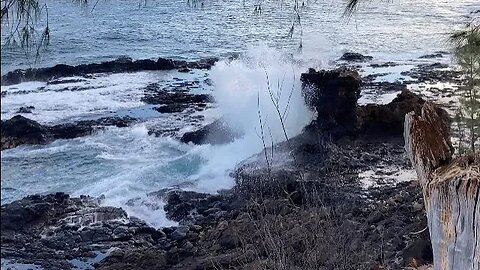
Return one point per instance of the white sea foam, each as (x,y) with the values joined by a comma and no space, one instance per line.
(59,102)
(244,90)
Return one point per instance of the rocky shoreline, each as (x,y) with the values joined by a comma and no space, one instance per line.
(306,210)
(125,64)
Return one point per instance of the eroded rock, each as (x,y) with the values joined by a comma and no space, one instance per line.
(355,57)
(388,119)
(218,132)
(334,95)
(20,130)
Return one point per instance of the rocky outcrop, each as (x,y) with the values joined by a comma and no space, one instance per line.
(173,101)
(320,193)
(436,72)
(124,64)
(388,119)
(20,130)
(450,187)
(430,56)
(218,132)
(55,229)
(189,207)
(26,109)
(333,94)
(355,57)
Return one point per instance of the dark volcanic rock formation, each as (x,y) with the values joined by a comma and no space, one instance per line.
(218,132)
(334,96)
(153,94)
(20,130)
(306,212)
(189,207)
(388,119)
(355,57)
(125,64)
(53,229)
(26,109)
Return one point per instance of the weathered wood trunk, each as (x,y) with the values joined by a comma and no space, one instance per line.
(450,189)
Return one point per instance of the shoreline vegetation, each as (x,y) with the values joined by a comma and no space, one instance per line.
(306,210)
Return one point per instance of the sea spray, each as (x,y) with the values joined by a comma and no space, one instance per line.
(260,95)
(125,164)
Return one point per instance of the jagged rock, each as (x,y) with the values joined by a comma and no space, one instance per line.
(27,109)
(135,259)
(55,228)
(388,119)
(184,70)
(450,187)
(64,81)
(355,57)
(157,96)
(218,132)
(172,108)
(436,72)
(334,96)
(189,207)
(386,64)
(20,130)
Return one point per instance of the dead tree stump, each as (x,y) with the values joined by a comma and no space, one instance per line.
(450,189)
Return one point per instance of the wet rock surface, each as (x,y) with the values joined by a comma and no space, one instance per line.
(124,64)
(383,120)
(333,94)
(51,230)
(355,57)
(20,130)
(436,72)
(303,206)
(26,109)
(174,100)
(218,132)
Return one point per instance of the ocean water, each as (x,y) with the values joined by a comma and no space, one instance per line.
(125,164)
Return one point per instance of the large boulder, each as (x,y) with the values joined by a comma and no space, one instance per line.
(156,95)
(334,95)
(21,130)
(218,132)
